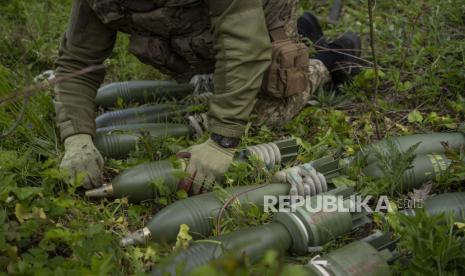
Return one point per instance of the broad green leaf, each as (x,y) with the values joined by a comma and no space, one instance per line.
(460,225)
(405,86)
(181,194)
(183,239)
(433,117)
(22,214)
(415,117)
(26,192)
(403,128)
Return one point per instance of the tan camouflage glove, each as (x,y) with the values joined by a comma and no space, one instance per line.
(81,156)
(208,162)
(304,180)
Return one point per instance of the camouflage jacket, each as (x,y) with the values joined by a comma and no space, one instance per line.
(178,37)
(174,36)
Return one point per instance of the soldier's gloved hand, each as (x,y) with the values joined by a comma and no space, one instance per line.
(304,180)
(208,162)
(294,176)
(81,156)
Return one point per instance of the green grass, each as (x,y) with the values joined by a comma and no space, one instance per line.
(48,227)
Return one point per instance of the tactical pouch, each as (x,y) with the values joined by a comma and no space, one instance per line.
(288,72)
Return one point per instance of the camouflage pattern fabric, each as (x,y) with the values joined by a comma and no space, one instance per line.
(290,25)
(174,36)
(276,112)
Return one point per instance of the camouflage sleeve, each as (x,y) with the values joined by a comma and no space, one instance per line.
(242,53)
(86,42)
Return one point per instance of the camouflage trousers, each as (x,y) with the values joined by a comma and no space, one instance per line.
(275,112)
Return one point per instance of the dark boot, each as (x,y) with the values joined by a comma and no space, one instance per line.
(350,64)
(309,27)
(342,58)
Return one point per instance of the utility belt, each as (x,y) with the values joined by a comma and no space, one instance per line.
(289,69)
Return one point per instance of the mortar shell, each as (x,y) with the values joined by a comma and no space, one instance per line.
(119,141)
(424,168)
(356,258)
(161,113)
(252,242)
(448,203)
(428,143)
(140,92)
(140,182)
(145,174)
(197,211)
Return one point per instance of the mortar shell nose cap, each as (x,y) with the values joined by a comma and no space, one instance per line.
(104,191)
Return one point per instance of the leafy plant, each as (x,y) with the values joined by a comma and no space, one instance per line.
(433,245)
(390,166)
(454,176)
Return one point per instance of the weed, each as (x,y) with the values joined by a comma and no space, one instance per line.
(434,245)
(392,164)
